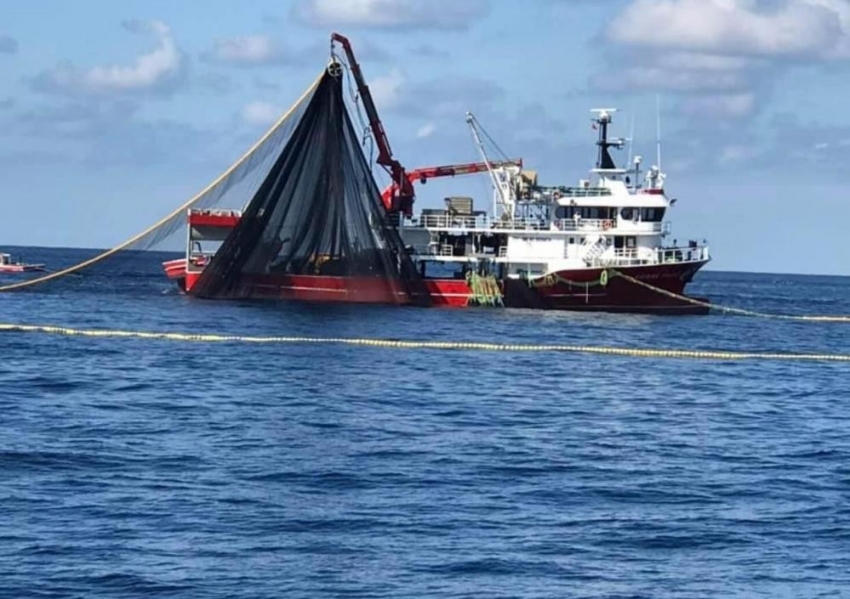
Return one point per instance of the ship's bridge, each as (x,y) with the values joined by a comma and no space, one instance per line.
(614,207)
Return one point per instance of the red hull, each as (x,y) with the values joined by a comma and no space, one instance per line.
(317,288)
(582,290)
(361,290)
(567,290)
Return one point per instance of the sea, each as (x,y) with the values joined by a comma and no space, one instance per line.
(183,469)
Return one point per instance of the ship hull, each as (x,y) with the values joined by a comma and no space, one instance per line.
(576,290)
(583,290)
(19,268)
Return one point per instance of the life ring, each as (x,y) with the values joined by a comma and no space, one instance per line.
(606,224)
(603,278)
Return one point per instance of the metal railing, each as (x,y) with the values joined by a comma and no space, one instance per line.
(483,222)
(448,221)
(604,224)
(636,257)
(585,224)
(692,253)
(575,192)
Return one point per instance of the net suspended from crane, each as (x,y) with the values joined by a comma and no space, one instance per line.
(230,190)
(316,227)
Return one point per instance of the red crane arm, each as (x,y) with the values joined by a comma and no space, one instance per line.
(402,197)
(430,172)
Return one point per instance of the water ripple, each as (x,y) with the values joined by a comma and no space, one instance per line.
(133,468)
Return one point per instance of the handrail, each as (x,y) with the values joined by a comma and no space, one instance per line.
(481,221)
(665,255)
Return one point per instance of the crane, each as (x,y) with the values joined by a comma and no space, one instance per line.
(505,191)
(402,195)
(430,172)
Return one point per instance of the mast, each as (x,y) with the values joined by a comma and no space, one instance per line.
(604,161)
(658,128)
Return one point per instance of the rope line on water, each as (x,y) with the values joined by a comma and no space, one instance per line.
(182,208)
(728,309)
(435,345)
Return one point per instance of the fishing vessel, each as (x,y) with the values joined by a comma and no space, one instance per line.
(8,265)
(601,244)
(563,247)
(551,247)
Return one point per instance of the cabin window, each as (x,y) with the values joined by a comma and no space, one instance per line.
(572,240)
(618,242)
(627,213)
(652,215)
(631,242)
(586,212)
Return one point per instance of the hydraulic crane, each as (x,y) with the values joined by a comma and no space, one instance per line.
(402,196)
(430,172)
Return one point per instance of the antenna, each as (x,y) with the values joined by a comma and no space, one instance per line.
(631,138)
(658,127)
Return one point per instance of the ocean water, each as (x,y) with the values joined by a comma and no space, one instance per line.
(139,468)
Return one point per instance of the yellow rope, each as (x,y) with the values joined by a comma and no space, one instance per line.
(437,345)
(729,309)
(185,206)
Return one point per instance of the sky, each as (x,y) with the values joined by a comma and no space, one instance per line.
(114,113)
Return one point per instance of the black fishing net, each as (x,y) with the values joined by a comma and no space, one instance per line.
(316,227)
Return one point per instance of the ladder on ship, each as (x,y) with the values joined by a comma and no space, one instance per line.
(484,290)
(594,251)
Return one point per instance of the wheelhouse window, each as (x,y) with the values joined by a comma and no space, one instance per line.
(622,242)
(652,215)
(586,212)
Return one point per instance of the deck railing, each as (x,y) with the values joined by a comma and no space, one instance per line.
(483,222)
(448,221)
(634,257)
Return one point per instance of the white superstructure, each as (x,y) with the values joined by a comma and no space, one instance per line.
(616,218)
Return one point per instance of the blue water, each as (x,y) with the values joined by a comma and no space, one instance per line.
(137,468)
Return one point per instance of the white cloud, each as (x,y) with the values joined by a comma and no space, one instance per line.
(8,44)
(155,70)
(247,50)
(842,9)
(386,90)
(721,54)
(260,113)
(655,77)
(804,28)
(706,62)
(392,14)
(736,153)
(737,105)
(426,130)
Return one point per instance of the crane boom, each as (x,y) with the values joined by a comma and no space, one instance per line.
(402,196)
(450,170)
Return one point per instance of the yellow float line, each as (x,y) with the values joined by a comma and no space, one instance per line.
(729,309)
(437,345)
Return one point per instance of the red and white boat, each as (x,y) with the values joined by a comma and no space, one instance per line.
(562,247)
(556,248)
(7,265)
(546,247)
